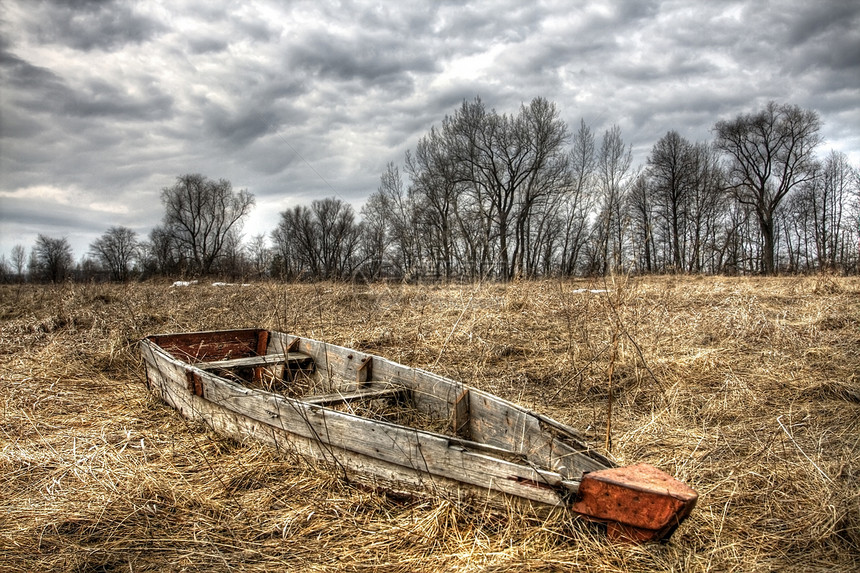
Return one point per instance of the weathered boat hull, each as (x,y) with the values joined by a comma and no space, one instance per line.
(331,403)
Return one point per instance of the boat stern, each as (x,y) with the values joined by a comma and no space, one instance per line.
(637,503)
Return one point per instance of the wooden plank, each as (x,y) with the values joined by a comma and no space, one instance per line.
(497,422)
(460,415)
(262,342)
(245,362)
(432,454)
(203,346)
(432,394)
(296,358)
(338,368)
(493,420)
(372,472)
(195,383)
(288,343)
(262,347)
(415,451)
(164,375)
(364,373)
(365,394)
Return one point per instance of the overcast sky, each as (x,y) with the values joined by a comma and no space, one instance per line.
(104,103)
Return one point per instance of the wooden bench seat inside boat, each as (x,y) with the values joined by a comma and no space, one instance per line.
(301,362)
(395,392)
(294,360)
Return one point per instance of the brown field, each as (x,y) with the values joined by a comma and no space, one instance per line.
(747,389)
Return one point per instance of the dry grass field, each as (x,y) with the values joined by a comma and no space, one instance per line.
(747,389)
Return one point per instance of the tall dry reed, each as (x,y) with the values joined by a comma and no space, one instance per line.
(746,389)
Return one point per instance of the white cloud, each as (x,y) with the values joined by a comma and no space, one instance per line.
(44,194)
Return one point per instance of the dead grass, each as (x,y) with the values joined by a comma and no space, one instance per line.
(746,389)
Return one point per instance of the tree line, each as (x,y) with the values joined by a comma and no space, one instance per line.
(488,195)
(496,195)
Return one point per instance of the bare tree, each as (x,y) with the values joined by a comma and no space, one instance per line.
(259,255)
(200,215)
(296,242)
(818,214)
(797,222)
(51,259)
(436,185)
(735,244)
(161,255)
(543,133)
(578,201)
(770,153)
(856,218)
(399,208)
(284,251)
(482,148)
(475,230)
(232,261)
(115,251)
(671,170)
(338,237)
(613,167)
(510,164)
(19,261)
(322,240)
(376,239)
(830,206)
(705,204)
(641,205)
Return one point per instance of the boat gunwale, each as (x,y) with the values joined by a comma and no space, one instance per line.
(581,444)
(548,477)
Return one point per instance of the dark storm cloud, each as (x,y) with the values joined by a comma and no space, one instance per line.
(104,103)
(207,45)
(68,218)
(823,20)
(40,90)
(370,59)
(40,83)
(89,25)
(102,99)
(240,127)
(825,37)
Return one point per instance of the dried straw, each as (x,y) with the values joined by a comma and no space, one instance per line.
(747,389)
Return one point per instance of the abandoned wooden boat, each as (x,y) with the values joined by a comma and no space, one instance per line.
(403,428)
